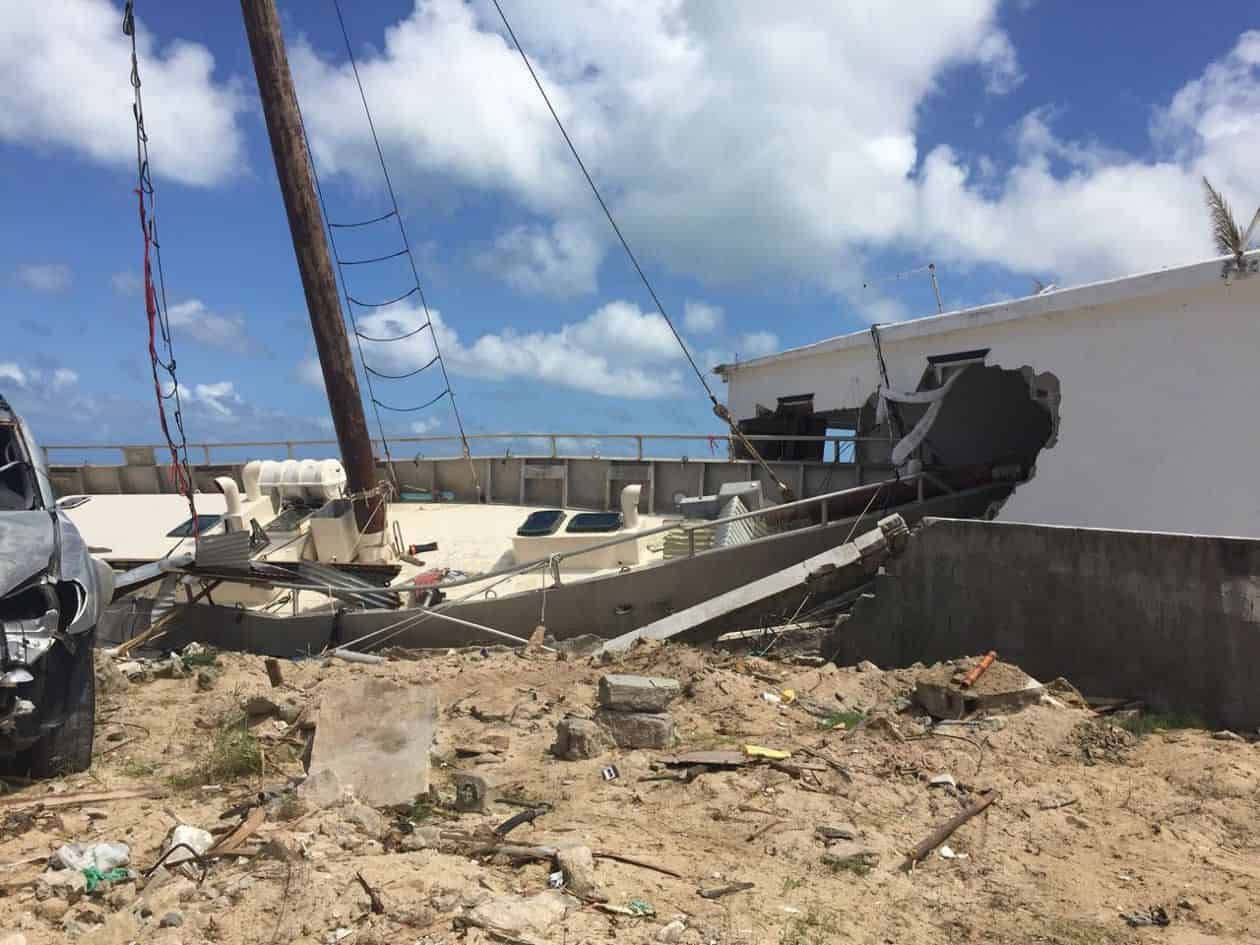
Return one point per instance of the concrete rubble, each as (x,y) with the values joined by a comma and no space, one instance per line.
(654,796)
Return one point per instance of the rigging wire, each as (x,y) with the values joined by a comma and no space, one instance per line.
(155,296)
(719,409)
(411,259)
(603,205)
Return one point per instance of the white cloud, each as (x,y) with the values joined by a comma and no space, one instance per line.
(309,372)
(426,425)
(67,69)
(1107,213)
(999,63)
(758,344)
(36,382)
(736,141)
(558,261)
(220,332)
(63,378)
(127,283)
(45,277)
(618,350)
(701,318)
(219,400)
(13,373)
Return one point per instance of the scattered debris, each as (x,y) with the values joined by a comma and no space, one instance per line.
(578,866)
(978,670)
(473,792)
(946,830)
(718,892)
(1155,915)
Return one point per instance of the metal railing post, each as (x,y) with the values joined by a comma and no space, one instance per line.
(205,450)
(289,447)
(554,452)
(691,543)
(639,443)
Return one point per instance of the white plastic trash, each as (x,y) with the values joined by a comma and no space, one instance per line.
(191,837)
(103,856)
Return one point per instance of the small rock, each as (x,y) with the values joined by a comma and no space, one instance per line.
(627,693)
(290,711)
(866,666)
(109,678)
(422,838)
(368,820)
(52,909)
(65,883)
(172,668)
(497,743)
(121,896)
(258,706)
(578,739)
(836,832)
(1078,822)
(87,914)
(578,866)
(93,813)
(205,680)
(1227,736)
(473,792)
(172,920)
(638,729)
(519,915)
(944,780)
(672,933)
(587,644)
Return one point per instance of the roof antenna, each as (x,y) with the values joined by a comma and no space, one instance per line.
(930,269)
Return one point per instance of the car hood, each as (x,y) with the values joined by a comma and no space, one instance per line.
(27,543)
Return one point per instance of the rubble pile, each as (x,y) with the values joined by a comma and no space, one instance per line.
(671,794)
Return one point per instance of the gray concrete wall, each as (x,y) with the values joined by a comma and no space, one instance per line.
(1173,620)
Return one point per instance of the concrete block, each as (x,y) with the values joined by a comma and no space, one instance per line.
(637,693)
(577,739)
(638,729)
(375,736)
(473,792)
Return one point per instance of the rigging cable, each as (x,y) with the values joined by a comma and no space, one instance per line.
(719,409)
(155,296)
(411,259)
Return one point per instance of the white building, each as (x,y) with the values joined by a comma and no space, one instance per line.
(1152,383)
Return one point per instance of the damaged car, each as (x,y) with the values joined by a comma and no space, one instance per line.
(52,594)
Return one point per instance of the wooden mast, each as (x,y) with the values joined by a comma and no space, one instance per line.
(306,225)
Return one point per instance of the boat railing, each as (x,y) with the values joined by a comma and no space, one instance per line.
(554,562)
(555,445)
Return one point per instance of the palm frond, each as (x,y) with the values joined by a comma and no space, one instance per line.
(1225,232)
(1246,237)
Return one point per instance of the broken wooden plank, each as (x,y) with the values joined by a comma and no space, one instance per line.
(945,830)
(231,844)
(53,801)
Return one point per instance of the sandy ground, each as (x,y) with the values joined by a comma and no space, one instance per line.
(1091,822)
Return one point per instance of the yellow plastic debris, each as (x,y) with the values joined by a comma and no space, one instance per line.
(773,754)
(788,696)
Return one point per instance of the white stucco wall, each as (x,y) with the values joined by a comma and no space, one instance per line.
(1160,384)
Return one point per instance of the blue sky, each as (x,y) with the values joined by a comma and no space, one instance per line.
(766,161)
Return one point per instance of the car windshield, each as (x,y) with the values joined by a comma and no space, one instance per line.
(17,482)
